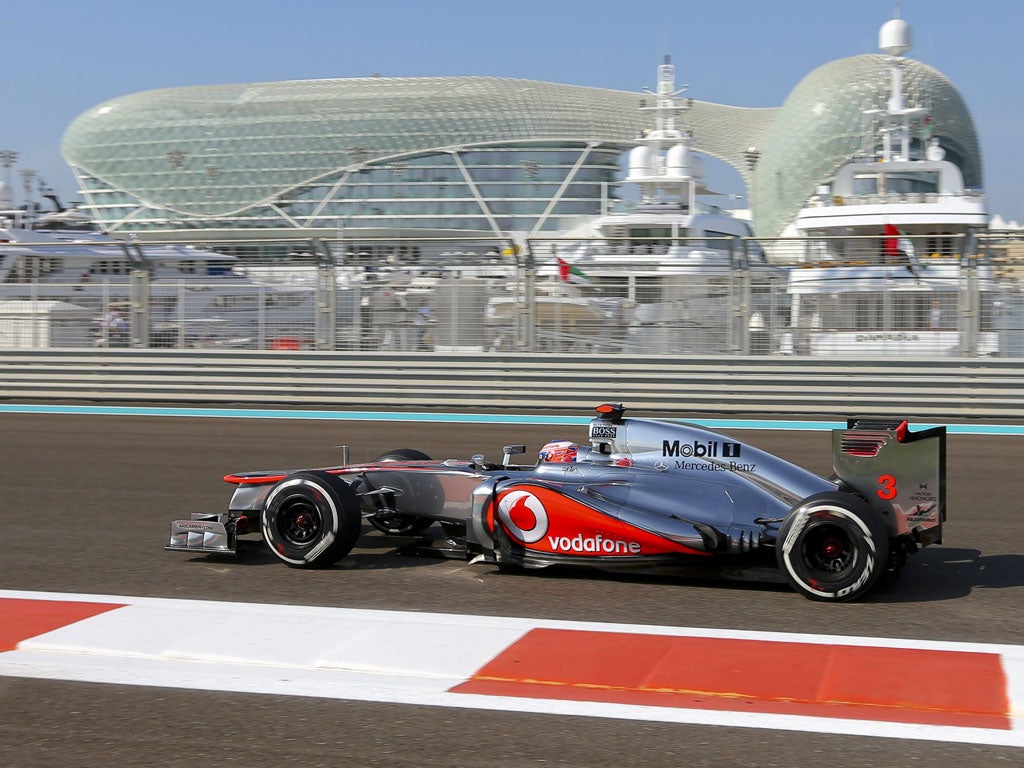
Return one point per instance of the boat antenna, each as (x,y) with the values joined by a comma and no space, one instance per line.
(894,40)
(664,161)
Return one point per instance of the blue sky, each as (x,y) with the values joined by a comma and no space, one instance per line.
(64,56)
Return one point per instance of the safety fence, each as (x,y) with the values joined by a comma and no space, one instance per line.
(677,386)
(802,298)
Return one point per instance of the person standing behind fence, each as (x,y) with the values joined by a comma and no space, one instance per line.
(422,322)
(117,329)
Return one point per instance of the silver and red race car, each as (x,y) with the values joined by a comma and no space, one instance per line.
(649,495)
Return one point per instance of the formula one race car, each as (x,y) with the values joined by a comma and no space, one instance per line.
(656,496)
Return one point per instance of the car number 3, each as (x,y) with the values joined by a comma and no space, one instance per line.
(888,489)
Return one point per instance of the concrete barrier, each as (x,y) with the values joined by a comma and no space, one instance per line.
(677,386)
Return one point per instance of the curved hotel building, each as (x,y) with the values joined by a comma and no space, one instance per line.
(491,156)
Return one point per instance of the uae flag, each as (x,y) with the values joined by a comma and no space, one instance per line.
(572,274)
(898,244)
(927,126)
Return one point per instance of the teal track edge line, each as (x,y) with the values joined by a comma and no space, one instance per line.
(456,418)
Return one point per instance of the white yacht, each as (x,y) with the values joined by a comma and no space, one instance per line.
(671,259)
(196,297)
(899,219)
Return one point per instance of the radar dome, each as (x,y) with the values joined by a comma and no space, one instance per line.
(681,162)
(678,161)
(640,161)
(894,37)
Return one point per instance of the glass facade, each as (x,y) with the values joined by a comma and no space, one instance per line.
(479,154)
(485,155)
(822,125)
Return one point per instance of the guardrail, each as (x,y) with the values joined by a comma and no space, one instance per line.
(669,385)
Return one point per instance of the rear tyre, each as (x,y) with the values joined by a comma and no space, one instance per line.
(832,547)
(396,523)
(311,519)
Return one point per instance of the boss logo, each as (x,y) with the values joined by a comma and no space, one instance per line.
(602,430)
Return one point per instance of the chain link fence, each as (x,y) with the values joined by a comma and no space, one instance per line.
(714,297)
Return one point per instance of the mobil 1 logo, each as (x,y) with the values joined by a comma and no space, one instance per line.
(701,449)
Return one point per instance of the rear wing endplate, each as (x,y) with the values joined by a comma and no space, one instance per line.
(901,473)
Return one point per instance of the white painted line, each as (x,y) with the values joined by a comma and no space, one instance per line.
(389,642)
(1013,668)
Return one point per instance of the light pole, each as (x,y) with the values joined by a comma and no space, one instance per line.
(8,157)
(27,174)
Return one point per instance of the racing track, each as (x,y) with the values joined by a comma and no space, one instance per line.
(86,501)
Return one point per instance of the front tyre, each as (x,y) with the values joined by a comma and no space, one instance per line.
(311,519)
(832,547)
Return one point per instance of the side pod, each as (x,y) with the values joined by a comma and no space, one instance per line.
(901,474)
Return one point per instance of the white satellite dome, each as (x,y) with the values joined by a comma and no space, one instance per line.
(894,38)
(678,161)
(640,161)
(683,163)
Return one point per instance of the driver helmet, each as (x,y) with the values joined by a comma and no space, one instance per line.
(558,451)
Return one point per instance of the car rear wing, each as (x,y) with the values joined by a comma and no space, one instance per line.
(901,473)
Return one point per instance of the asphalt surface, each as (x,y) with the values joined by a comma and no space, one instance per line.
(87,500)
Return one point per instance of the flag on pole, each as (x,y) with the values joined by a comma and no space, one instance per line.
(891,246)
(898,244)
(571,273)
(904,246)
(927,126)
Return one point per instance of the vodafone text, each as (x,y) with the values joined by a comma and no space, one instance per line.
(597,544)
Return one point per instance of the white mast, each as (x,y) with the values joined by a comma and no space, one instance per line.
(894,39)
(664,162)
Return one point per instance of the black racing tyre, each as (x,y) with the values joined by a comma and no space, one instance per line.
(311,519)
(832,547)
(396,523)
